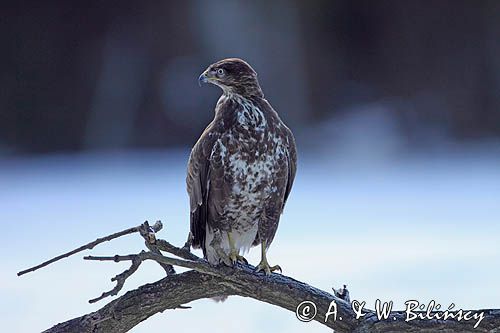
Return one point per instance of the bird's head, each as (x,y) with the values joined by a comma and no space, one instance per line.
(234,76)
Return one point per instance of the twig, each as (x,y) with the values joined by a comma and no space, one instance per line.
(342,293)
(199,265)
(156,227)
(150,241)
(196,264)
(120,280)
(182,252)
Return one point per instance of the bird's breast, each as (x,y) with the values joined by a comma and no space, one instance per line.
(250,164)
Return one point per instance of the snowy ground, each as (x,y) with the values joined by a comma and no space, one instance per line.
(415,228)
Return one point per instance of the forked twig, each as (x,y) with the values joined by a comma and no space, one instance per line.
(120,280)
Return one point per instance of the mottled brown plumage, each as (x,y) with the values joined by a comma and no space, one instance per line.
(241,170)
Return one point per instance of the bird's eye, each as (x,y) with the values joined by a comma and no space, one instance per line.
(220,72)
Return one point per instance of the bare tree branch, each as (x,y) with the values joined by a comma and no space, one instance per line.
(141,228)
(205,281)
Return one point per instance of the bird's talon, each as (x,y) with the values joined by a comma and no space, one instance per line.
(276,268)
(226,260)
(235,258)
(243,260)
(264,266)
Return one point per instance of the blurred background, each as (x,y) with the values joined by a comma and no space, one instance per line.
(396,111)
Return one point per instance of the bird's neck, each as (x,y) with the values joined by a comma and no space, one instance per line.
(238,98)
(241,111)
(249,92)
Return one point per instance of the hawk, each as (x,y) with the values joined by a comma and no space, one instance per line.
(240,171)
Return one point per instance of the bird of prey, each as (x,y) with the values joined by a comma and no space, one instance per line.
(240,171)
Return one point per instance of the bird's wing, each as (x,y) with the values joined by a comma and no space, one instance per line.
(291,152)
(283,179)
(292,163)
(198,182)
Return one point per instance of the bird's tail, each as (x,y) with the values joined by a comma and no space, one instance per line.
(214,254)
(219,299)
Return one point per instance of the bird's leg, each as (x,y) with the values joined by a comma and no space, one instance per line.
(234,255)
(264,265)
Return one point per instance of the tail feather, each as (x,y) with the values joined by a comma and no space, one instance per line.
(219,299)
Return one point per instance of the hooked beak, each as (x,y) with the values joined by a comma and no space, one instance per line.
(202,78)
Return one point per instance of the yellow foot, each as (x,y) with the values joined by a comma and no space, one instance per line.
(264,266)
(235,257)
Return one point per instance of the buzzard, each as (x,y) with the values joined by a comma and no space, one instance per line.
(240,171)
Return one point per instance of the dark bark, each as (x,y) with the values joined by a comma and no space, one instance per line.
(206,281)
(174,291)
